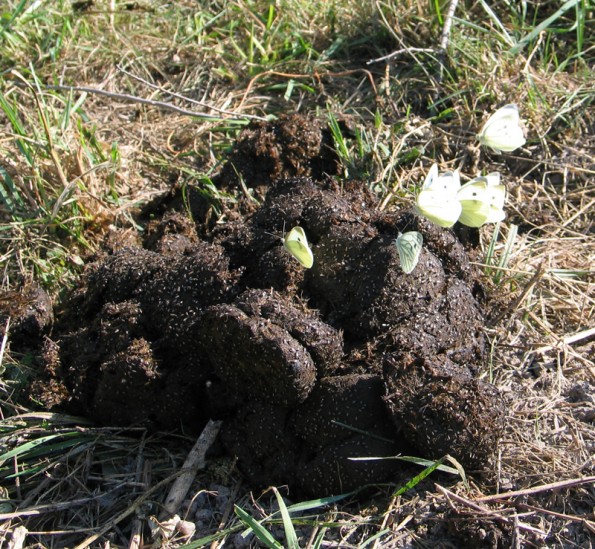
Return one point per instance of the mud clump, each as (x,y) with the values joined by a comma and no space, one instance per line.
(27,314)
(425,395)
(307,367)
(293,146)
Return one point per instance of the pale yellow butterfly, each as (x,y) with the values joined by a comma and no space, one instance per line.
(482,200)
(409,246)
(502,132)
(296,243)
(437,199)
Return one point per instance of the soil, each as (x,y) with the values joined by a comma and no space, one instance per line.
(307,367)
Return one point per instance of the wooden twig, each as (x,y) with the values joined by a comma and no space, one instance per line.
(187,99)
(489,512)
(227,513)
(142,474)
(396,53)
(53,507)
(537,489)
(143,101)
(568,340)
(316,75)
(194,462)
(448,24)
(589,524)
(443,39)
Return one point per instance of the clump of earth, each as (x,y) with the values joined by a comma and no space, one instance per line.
(307,367)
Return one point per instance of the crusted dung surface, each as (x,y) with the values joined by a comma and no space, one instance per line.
(308,367)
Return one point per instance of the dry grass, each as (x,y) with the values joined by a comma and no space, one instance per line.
(92,168)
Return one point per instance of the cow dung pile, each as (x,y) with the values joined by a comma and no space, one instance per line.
(307,367)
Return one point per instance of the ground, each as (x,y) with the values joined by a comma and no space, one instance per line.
(163,297)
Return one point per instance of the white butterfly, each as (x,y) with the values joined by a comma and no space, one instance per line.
(438,200)
(482,200)
(502,132)
(409,247)
(296,243)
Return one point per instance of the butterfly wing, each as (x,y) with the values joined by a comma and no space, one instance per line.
(437,199)
(502,132)
(474,200)
(447,182)
(296,243)
(496,198)
(409,246)
(442,208)
(431,177)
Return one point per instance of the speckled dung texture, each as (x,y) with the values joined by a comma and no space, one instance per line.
(308,368)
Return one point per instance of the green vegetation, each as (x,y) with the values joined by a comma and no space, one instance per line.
(105,104)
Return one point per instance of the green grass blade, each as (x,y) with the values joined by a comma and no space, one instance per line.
(25,448)
(411,459)
(503,263)
(430,463)
(259,530)
(13,17)
(321,502)
(490,257)
(208,540)
(17,127)
(374,538)
(503,32)
(418,478)
(319,538)
(542,26)
(340,143)
(290,536)
(9,194)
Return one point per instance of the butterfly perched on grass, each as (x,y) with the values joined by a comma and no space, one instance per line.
(482,200)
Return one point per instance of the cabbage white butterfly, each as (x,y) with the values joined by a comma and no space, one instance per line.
(296,243)
(482,200)
(502,132)
(496,196)
(409,247)
(438,197)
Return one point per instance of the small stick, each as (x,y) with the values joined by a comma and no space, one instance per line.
(448,24)
(53,507)
(124,514)
(316,75)
(537,489)
(194,462)
(568,340)
(143,101)
(187,99)
(4,340)
(227,513)
(484,510)
(143,473)
(399,52)
(586,522)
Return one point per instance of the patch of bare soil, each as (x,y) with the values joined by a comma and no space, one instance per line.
(308,367)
